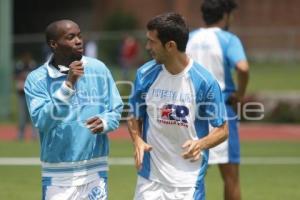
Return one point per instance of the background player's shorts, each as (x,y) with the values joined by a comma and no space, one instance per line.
(229,150)
(150,190)
(95,190)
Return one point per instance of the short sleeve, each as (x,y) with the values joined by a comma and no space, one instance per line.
(214,105)
(235,51)
(137,99)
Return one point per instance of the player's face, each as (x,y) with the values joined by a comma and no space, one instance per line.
(70,43)
(155,47)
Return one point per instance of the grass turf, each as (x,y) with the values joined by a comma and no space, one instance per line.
(259,182)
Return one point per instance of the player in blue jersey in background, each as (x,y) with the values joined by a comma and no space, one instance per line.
(74,103)
(173,102)
(221,52)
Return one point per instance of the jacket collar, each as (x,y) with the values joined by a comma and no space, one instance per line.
(54,72)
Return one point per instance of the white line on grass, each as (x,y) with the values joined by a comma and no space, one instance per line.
(31,161)
(270,160)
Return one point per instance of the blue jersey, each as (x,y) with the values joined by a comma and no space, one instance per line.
(175,108)
(68,148)
(219,51)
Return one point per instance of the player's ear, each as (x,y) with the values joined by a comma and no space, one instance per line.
(52,44)
(171,45)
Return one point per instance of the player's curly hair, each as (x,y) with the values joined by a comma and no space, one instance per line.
(214,10)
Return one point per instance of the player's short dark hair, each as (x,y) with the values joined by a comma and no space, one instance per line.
(214,10)
(51,31)
(170,27)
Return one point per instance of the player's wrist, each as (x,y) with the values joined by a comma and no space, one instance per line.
(201,144)
(69,84)
(137,140)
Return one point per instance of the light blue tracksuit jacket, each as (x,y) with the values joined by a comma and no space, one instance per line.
(68,147)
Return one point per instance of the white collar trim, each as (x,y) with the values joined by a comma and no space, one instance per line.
(53,72)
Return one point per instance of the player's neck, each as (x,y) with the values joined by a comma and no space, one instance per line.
(177,63)
(224,23)
(220,24)
(61,60)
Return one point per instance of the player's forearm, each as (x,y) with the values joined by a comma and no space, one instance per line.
(45,113)
(242,78)
(215,137)
(134,128)
(46,117)
(114,105)
(113,116)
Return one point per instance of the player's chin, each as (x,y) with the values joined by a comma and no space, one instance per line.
(77,55)
(156,58)
(152,54)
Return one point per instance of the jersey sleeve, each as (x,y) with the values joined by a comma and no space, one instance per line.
(214,109)
(235,51)
(137,100)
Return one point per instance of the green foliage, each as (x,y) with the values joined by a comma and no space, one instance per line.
(120,20)
(109,51)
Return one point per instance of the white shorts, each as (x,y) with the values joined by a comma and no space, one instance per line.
(150,190)
(229,150)
(95,190)
(219,154)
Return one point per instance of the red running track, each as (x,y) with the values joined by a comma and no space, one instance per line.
(248,132)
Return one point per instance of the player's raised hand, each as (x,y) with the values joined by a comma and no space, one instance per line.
(139,148)
(76,70)
(95,124)
(192,150)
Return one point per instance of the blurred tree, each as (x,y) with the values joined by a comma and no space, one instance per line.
(120,20)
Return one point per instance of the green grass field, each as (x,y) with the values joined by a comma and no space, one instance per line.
(259,181)
(264,76)
(276,77)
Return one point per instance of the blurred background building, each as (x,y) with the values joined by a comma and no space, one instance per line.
(269,28)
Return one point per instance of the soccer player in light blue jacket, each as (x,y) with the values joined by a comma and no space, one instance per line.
(74,103)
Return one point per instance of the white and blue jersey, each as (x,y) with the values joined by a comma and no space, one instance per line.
(71,154)
(219,51)
(174,109)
